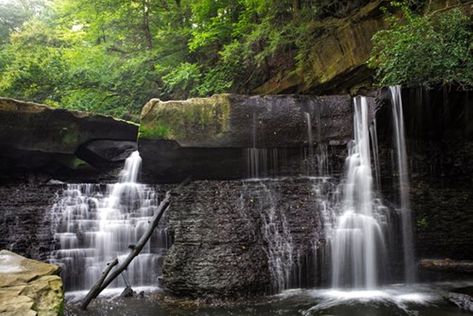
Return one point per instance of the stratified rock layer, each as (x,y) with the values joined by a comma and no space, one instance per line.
(29,287)
(209,138)
(337,61)
(220,248)
(25,219)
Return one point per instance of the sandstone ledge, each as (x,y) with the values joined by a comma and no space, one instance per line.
(29,287)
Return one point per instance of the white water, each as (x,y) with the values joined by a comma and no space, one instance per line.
(358,246)
(275,232)
(403,177)
(97,223)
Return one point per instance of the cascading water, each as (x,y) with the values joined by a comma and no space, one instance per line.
(95,224)
(357,240)
(402,169)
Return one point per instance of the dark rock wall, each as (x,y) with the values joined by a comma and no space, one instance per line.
(209,138)
(37,139)
(439,132)
(25,224)
(219,245)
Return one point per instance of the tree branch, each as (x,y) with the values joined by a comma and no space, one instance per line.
(107,278)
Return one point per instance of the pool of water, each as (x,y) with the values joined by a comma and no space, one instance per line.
(430,299)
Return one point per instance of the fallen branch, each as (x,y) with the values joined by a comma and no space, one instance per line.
(108,277)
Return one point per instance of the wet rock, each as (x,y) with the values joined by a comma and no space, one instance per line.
(209,138)
(463,301)
(127,292)
(35,137)
(25,221)
(219,248)
(29,287)
(103,153)
(447,265)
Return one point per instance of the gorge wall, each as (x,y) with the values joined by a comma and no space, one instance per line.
(38,140)
(439,132)
(219,223)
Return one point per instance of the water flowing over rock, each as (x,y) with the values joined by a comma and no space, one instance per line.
(96,223)
(29,287)
(358,246)
(403,178)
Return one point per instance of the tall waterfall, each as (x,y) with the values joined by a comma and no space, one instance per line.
(96,223)
(402,169)
(358,247)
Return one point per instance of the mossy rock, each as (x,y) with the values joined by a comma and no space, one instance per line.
(239,121)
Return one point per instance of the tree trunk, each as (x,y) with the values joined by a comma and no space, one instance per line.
(146,28)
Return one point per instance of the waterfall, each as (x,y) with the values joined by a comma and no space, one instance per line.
(403,177)
(96,223)
(358,246)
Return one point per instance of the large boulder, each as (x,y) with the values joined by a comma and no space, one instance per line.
(29,287)
(37,137)
(212,138)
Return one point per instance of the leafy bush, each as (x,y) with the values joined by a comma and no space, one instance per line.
(425,49)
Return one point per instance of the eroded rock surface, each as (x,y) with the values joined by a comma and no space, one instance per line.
(29,287)
(37,138)
(220,243)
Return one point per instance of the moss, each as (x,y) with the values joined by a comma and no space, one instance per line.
(422,223)
(70,136)
(158,131)
(75,163)
(193,119)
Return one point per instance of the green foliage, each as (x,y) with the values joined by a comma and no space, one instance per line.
(425,49)
(155,131)
(111,57)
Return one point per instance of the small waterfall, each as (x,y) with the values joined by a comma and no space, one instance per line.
(279,240)
(318,157)
(96,223)
(358,247)
(374,148)
(403,177)
(310,140)
(279,247)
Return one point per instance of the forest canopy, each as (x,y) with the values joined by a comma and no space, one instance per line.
(111,56)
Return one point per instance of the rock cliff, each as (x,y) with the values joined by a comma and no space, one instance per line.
(61,143)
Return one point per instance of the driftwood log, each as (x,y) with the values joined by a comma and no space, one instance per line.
(108,277)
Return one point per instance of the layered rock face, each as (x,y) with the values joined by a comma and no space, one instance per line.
(212,138)
(29,287)
(337,61)
(232,238)
(439,134)
(25,219)
(61,143)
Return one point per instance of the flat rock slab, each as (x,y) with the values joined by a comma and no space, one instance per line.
(220,137)
(239,121)
(29,287)
(447,265)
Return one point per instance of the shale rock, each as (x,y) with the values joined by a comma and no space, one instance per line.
(29,287)
(220,244)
